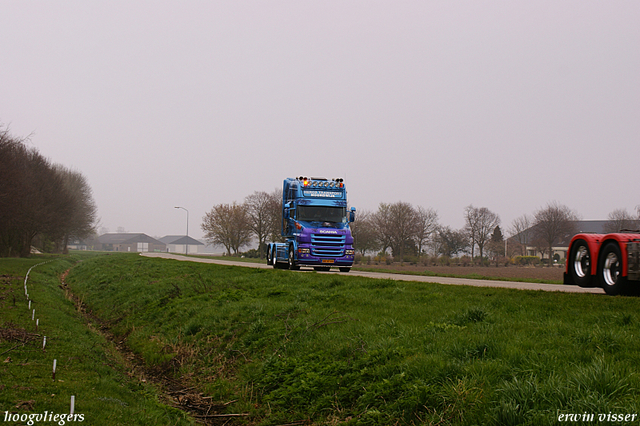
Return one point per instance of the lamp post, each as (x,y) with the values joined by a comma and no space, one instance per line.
(186,247)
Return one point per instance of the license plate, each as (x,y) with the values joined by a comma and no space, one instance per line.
(327,260)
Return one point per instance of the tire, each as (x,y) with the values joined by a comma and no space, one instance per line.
(580,264)
(268,255)
(292,260)
(345,269)
(274,257)
(610,270)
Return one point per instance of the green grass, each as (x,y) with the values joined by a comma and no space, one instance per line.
(88,367)
(350,350)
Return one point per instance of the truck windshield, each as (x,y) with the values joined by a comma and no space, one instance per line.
(321,214)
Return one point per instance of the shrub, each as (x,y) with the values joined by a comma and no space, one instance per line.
(527,260)
(413,260)
(253,254)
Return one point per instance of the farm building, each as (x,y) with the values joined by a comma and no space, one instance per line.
(179,243)
(130,242)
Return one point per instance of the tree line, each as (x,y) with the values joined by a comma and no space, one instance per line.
(403,230)
(41,203)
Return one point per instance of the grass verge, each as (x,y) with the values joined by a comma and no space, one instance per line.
(309,348)
(87,366)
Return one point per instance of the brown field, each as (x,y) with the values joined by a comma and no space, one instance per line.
(514,272)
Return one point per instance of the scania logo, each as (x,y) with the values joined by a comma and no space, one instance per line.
(327,231)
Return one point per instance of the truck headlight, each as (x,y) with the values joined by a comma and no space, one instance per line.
(349,252)
(304,250)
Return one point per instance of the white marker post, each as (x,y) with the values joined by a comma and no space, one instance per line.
(37,321)
(30,306)
(33,315)
(73,404)
(54,369)
(44,343)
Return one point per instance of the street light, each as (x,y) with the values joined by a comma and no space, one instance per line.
(186,248)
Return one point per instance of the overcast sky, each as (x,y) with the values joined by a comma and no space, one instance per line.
(507,105)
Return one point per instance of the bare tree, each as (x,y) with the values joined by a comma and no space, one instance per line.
(486,225)
(471,226)
(380,221)
(397,224)
(620,219)
(480,224)
(363,231)
(35,199)
(259,208)
(274,213)
(82,220)
(449,242)
(227,225)
(554,223)
(426,226)
(520,232)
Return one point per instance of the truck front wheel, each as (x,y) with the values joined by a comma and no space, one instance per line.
(610,270)
(580,264)
(292,260)
(274,258)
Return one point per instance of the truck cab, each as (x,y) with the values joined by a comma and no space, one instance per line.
(315,224)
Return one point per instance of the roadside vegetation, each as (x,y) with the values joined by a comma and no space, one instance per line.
(280,347)
(107,389)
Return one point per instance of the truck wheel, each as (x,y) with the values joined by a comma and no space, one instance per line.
(274,257)
(292,260)
(345,269)
(610,270)
(268,255)
(580,264)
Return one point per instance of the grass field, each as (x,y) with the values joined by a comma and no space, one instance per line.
(281,347)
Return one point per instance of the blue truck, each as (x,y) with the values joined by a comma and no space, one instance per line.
(315,225)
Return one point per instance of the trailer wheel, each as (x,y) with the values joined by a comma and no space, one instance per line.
(292,260)
(580,264)
(268,255)
(610,270)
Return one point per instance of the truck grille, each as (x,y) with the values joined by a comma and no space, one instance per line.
(327,245)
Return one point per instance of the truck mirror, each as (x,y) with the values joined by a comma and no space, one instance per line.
(352,214)
(285,210)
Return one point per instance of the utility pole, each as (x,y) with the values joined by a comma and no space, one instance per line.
(186,247)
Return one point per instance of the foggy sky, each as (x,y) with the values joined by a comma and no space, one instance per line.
(500,104)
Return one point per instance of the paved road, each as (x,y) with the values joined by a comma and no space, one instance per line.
(400,277)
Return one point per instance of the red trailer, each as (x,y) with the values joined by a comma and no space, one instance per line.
(610,261)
